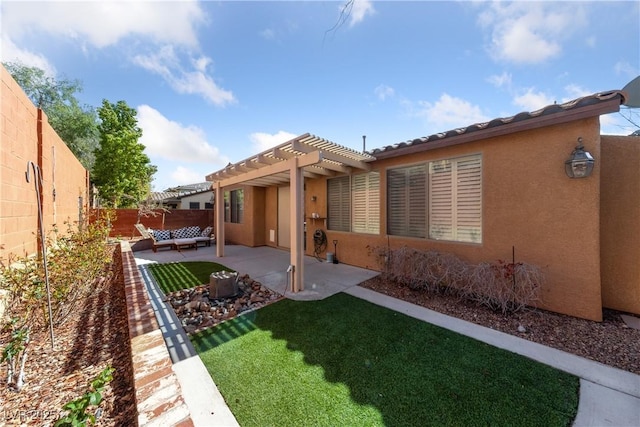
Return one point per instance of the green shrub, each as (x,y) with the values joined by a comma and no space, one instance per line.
(77,409)
(76,262)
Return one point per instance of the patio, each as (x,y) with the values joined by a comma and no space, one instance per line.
(268,266)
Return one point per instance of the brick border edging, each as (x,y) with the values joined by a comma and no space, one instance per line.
(158,394)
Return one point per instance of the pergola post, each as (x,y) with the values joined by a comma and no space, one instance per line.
(296,205)
(219,218)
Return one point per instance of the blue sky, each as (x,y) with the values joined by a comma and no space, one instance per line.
(216,82)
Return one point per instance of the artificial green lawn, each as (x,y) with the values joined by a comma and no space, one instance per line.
(175,276)
(345,362)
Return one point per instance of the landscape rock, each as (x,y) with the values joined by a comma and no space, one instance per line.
(197,310)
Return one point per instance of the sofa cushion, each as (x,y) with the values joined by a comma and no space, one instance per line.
(162,235)
(207,232)
(186,232)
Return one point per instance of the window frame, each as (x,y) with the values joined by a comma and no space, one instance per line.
(234,206)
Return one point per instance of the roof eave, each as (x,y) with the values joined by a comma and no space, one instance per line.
(603,107)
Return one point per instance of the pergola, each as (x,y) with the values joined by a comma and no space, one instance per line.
(306,156)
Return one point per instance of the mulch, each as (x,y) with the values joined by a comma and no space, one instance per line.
(93,338)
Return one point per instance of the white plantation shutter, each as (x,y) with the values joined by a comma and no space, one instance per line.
(440,200)
(339,204)
(468,213)
(365,195)
(455,199)
(406,201)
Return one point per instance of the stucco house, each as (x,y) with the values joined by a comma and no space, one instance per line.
(475,192)
(191,196)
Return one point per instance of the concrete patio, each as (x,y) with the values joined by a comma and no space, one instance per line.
(269,266)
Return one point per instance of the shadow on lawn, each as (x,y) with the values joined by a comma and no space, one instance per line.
(413,373)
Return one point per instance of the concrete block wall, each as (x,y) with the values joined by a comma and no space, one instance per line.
(19,145)
(158,393)
(26,136)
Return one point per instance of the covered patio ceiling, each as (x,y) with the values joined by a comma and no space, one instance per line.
(316,156)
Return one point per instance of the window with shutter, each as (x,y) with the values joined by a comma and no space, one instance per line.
(455,199)
(445,195)
(339,204)
(468,207)
(406,201)
(365,196)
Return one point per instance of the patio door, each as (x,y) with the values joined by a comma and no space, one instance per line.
(284,217)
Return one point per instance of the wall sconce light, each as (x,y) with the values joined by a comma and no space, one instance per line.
(314,198)
(580,164)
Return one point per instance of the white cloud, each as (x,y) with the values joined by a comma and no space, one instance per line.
(264,141)
(502,80)
(166,63)
(574,91)
(531,100)
(617,124)
(171,140)
(93,24)
(105,23)
(624,68)
(359,10)
(383,92)
(182,175)
(449,112)
(268,34)
(530,32)
(9,52)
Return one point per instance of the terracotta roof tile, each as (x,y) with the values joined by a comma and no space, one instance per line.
(520,117)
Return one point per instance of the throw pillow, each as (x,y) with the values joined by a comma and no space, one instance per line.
(192,232)
(207,232)
(162,235)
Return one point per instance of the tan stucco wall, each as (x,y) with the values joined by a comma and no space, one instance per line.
(251,231)
(620,223)
(528,202)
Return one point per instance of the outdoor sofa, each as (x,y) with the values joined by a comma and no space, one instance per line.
(185,237)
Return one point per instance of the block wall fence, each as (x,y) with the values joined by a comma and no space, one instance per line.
(123,226)
(26,136)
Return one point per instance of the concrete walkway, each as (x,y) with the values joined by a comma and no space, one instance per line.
(608,396)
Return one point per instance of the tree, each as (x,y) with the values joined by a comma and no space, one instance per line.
(75,124)
(122,171)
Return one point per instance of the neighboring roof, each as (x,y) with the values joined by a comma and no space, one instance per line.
(160,196)
(177,193)
(588,106)
(188,188)
(271,167)
(194,193)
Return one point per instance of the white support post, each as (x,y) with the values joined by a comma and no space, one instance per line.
(219,218)
(296,203)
